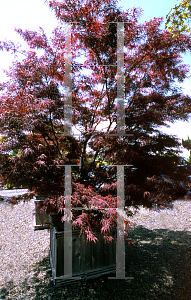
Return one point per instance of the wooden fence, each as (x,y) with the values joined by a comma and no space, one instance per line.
(41,220)
(89,260)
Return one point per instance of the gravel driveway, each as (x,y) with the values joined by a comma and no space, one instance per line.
(160,261)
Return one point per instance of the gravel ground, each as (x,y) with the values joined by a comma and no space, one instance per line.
(160,260)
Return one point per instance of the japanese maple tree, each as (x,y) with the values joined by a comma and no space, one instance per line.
(32,113)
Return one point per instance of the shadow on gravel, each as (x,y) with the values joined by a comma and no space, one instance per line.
(160,263)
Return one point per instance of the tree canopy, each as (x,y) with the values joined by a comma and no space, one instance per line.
(178,19)
(32,113)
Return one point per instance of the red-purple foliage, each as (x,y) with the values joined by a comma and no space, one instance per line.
(32,113)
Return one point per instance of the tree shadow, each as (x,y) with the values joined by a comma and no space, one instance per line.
(160,263)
